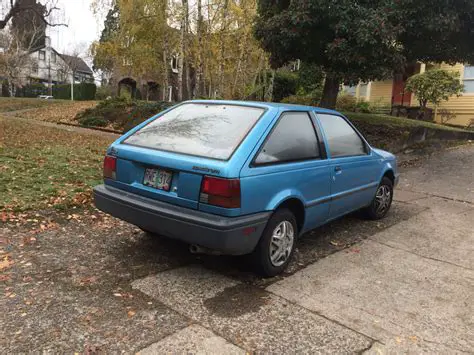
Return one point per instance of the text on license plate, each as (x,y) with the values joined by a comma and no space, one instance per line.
(160,179)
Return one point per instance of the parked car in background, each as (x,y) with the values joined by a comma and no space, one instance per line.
(244,177)
(45,97)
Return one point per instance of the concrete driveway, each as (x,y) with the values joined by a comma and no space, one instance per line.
(404,284)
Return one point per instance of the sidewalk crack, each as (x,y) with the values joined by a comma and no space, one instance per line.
(420,255)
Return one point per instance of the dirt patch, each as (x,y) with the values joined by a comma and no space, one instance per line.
(67,287)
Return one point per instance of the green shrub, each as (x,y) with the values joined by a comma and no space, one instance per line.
(92,121)
(434,86)
(103,92)
(310,80)
(121,113)
(32,90)
(346,102)
(285,84)
(306,100)
(82,91)
(364,107)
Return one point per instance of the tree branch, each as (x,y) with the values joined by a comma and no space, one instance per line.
(16,9)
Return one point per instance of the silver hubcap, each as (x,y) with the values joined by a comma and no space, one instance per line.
(281,243)
(383,198)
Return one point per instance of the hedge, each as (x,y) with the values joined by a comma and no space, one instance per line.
(82,91)
(32,90)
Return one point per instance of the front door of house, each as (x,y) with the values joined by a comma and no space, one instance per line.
(400,97)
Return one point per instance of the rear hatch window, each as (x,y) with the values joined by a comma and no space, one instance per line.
(206,130)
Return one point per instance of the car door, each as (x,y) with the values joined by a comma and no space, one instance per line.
(353,166)
(290,162)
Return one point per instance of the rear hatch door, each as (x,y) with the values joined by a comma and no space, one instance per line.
(167,158)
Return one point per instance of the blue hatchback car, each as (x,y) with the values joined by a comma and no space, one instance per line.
(244,177)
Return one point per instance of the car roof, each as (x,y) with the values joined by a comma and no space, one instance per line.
(267,105)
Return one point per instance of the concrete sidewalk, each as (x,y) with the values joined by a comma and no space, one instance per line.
(408,288)
(89,283)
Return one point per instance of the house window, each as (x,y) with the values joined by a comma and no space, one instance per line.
(363,90)
(34,68)
(42,55)
(174,64)
(350,90)
(468,79)
(53,57)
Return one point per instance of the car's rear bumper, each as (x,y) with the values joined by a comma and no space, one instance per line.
(229,235)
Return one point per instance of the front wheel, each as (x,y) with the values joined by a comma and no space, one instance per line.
(382,201)
(276,246)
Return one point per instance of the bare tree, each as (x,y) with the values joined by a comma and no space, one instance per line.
(16,62)
(19,7)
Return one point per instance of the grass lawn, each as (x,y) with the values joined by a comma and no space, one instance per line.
(20,103)
(43,167)
(386,120)
(45,110)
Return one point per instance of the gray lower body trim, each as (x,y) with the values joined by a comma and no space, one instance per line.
(229,235)
(342,194)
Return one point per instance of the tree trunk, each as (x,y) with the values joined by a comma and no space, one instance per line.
(165,70)
(222,48)
(186,50)
(181,52)
(200,65)
(166,64)
(330,91)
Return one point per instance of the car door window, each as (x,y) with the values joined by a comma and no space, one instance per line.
(342,139)
(293,139)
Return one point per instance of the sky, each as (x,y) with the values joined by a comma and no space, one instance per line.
(83,26)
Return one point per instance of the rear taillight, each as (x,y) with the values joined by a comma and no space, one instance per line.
(110,167)
(220,192)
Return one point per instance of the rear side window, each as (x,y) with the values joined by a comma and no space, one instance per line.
(342,139)
(206,130)
(293,138)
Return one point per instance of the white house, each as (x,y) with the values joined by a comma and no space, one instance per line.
(50,66)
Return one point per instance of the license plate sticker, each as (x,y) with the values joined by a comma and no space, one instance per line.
(158,178)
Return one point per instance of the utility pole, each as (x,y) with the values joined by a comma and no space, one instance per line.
(50,81)
(72,86)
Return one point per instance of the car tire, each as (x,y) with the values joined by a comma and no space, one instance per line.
(282,224)
(382,201)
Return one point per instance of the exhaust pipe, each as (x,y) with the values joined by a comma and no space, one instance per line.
(197,249)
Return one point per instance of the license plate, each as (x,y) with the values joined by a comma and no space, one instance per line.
(157,178)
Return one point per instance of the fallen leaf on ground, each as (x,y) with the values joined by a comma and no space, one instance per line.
(6,263)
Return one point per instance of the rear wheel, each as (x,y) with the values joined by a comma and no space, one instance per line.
(276,246)
(382,201)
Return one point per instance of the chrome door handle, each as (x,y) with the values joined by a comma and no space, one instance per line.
(337,169)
